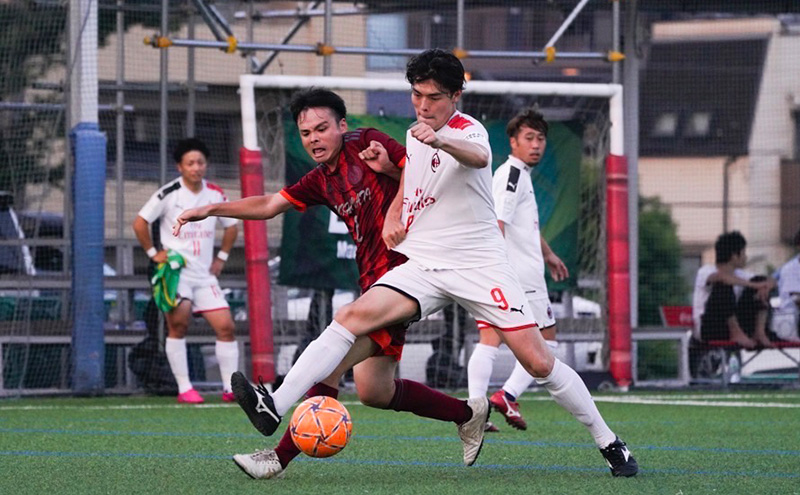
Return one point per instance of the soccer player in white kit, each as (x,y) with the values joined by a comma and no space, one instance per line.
(456,252)
(198,288)
(518,219)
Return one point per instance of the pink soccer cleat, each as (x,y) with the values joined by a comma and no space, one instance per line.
(228,397)
(190,397)
(509,409)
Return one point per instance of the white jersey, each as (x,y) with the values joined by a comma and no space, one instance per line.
(515,206)
(788,284)
(702,290)
(196,241)
(447,207)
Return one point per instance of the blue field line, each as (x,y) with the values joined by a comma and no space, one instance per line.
(524,443)
(130,433)
(356,462)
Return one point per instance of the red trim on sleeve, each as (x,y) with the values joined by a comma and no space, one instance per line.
(459,122)
(402,163)
(215,187)
(299,205)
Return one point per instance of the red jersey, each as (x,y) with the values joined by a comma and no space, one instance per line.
(359,196)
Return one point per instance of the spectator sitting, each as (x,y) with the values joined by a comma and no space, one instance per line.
(789,291)
(729,303)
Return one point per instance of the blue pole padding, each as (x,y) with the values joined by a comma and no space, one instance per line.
(88,312)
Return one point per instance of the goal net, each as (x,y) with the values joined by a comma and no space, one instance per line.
(312,257)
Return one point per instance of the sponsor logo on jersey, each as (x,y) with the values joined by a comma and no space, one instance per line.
(419,202)
(349,206)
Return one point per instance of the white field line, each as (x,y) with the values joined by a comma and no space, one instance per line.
(664,399)
(739,396)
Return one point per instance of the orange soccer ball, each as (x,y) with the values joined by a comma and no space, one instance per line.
(321,426)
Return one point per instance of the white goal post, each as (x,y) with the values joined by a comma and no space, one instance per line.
(616,187)
(249,82)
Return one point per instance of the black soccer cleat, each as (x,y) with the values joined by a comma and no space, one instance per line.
(256,403)
(620,459)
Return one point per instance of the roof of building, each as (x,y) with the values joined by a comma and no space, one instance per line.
(698,97)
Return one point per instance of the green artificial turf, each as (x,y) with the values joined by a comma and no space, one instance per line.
(702,442)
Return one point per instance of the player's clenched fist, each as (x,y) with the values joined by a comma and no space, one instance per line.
(374,152)
(393,231)
(190,215)
(424,133)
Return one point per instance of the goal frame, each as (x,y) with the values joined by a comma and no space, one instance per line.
(617,248)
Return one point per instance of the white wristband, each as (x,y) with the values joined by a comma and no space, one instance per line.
(222,255)
(151,252)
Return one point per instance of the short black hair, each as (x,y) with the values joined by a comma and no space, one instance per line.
(529,117)
(728,245)
(190,144)
(444,68)
(316,98)
(797,238)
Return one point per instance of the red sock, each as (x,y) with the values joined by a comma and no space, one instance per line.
(426,402)
(286,448)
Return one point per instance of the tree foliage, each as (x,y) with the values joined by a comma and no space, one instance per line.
(660,281)
(33,43)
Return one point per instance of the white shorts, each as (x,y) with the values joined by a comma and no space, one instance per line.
(541,310)
(205,294)
(491,294)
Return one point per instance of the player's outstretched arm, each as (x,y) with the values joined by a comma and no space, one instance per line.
(252,208)
(465,152)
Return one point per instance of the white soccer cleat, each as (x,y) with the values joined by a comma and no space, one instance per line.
(472,431)
(260,465)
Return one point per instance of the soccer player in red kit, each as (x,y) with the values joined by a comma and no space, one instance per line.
(357,178)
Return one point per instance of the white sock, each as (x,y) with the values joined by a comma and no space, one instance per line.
(228,359)
(571,393)
(479,369)
(518,382)
(178,363)
(316,363)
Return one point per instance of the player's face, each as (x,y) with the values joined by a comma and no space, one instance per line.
(528,145)
(192,167)
(740,259)
(433,105)
(321,134)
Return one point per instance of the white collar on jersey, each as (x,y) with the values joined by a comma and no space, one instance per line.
(185,187)
(516,162)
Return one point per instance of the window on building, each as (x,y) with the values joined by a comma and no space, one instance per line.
(666,125)
(386,31)
(698,125)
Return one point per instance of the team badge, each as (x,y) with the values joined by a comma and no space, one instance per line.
(435,161)
(549,312)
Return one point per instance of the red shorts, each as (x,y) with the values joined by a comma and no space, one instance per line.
(390,340)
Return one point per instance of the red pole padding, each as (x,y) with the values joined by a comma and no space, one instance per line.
(256,253)
(619,304)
